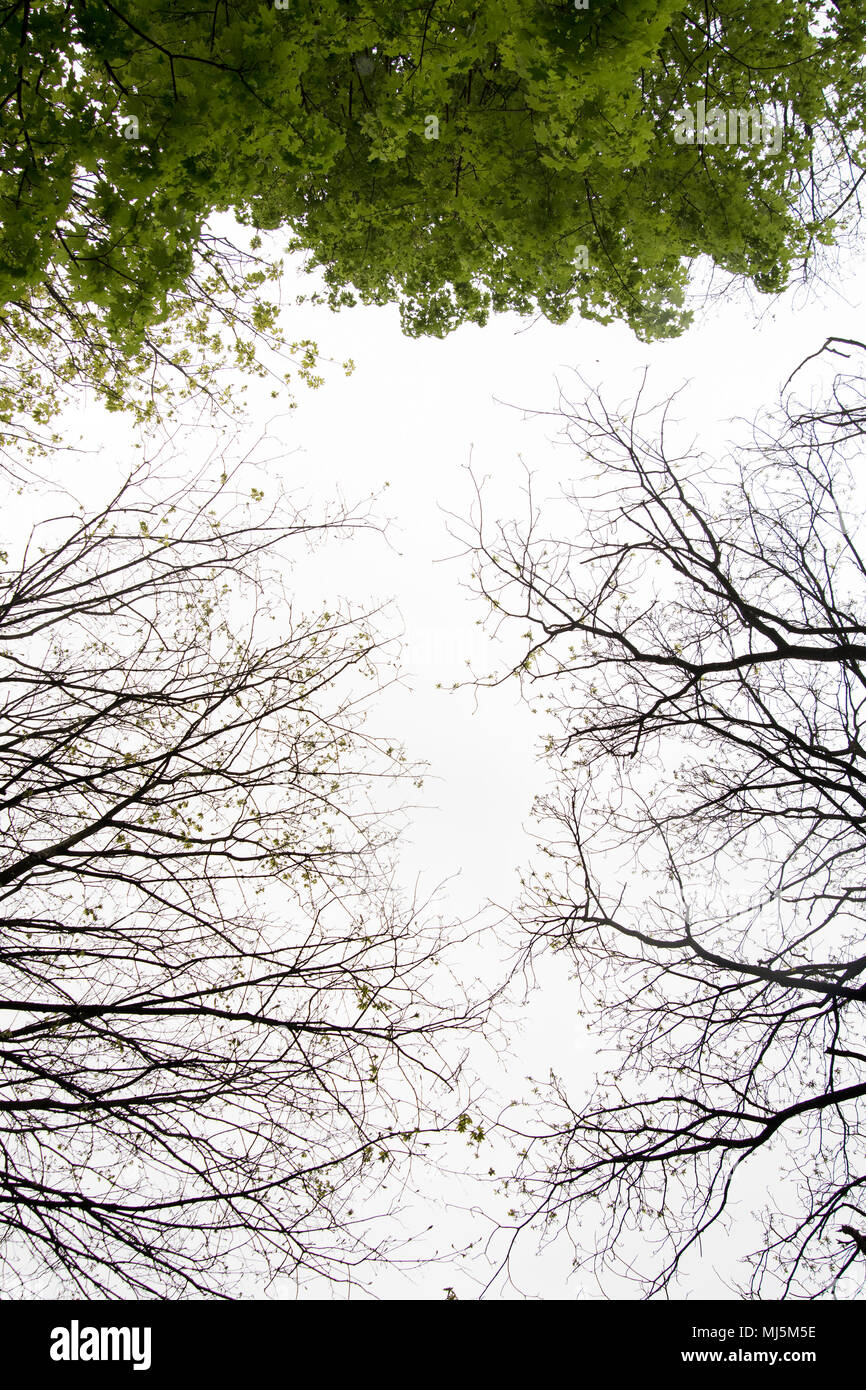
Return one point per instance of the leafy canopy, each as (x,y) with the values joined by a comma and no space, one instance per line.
(453,158)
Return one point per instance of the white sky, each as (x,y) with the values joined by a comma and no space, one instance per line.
(413,415)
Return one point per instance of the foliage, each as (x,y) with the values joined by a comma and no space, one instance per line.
(453,158)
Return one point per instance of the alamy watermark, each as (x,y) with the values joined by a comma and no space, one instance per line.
(77,1343)
(726,127)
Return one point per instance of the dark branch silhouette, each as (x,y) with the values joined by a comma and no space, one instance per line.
(700,640)
(220,1033)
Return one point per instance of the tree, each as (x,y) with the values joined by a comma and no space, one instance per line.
(109,278)
(701,641)
(223,321)
(459,161)
(223,1028)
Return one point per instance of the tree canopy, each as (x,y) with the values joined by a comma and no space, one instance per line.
(457,159)
(698,630)
(221,1024)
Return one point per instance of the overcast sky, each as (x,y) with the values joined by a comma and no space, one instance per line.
(413,415)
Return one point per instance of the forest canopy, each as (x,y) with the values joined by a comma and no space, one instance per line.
(456,159)
(223,1022)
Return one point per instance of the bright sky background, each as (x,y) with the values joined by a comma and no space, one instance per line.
(412,416)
